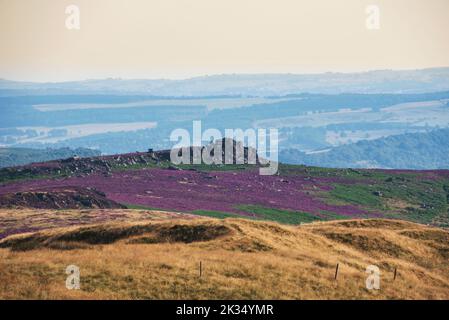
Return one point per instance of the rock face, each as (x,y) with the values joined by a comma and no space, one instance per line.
(75,166)
(229,151)
(59,198)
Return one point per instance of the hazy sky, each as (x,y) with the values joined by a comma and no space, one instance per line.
(183,38)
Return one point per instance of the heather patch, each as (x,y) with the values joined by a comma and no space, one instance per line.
(187,191)
(298,194)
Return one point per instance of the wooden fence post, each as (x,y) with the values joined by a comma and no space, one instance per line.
(336,272)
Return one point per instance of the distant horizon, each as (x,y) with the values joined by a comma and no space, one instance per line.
(205,75)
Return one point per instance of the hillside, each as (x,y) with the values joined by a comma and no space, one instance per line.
(240,259)
(295,195)
(427,150)
(138,227)
(10,157)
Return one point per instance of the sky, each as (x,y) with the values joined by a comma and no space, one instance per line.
(185,38)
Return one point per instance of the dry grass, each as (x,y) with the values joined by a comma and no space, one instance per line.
(14,221)
(241,259)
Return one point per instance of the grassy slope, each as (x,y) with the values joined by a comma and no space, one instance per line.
(262,213)
(242,259)
(410,195)
(14,221)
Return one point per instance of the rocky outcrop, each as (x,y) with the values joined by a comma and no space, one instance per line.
(58,198)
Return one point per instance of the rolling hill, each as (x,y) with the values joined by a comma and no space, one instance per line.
(138,227)
(240,259)
(424,150)
(10,157)
(296,194)
(377,81)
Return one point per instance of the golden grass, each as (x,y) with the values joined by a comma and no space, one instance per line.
(241,259)
(17,220)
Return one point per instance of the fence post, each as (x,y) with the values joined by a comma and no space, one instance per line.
(336,271)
